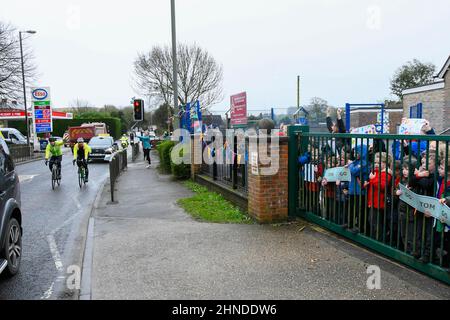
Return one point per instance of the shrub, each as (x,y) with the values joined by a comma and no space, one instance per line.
(180,171)
(164,149)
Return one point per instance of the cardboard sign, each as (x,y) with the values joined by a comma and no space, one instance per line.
(411,126)
(339,173)
(370,129)
(424,203)
(309,172)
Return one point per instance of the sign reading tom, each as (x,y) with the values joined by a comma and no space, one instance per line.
(426,204)
(338,173)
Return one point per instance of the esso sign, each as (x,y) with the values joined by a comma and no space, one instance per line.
(40,94)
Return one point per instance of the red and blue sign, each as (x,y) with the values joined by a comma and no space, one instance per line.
(39,94)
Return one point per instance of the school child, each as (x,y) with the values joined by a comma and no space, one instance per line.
(379,181)
(359,169)
(442,229)
(423,183)
(312,170)
(393,203)
(406,212)
(336,194)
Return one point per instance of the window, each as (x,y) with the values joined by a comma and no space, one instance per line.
(415,112)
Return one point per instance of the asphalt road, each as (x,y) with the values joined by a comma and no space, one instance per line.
(54,226)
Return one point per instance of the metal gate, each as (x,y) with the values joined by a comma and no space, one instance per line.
(367,209)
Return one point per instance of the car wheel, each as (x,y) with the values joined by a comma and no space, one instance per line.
(12,250)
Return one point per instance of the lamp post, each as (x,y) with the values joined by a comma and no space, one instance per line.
(23,81)
(174,60)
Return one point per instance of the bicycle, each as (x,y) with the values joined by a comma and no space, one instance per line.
(81,176)
(56,174)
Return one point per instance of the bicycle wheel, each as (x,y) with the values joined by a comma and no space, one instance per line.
(54,176)
(58,179)
(80,177)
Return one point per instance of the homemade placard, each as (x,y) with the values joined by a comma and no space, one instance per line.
(411,126)
(309,172)
(370,129)
(338,173)
(424,203)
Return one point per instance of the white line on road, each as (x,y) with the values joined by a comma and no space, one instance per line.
(48,293)
(55,252)
(27,177)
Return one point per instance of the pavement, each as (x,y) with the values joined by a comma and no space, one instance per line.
(146,247)
(54,229)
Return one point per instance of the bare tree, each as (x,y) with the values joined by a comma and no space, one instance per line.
(200,76)
(10,64)
(81,106)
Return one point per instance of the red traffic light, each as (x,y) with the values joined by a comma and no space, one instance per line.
(136,103)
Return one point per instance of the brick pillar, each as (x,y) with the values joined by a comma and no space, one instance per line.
(268,195)
(196,155)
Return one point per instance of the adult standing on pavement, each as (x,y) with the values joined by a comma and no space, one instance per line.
(147,146)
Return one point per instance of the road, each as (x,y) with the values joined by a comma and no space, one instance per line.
(54,226)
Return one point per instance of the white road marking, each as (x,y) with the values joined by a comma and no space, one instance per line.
(27,177)
(55,252)
(47,294)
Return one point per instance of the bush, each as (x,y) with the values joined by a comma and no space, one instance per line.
(164,149)
(180,171)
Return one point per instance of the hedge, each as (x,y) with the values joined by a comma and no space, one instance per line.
(164,149)
(60,126)
(180,171)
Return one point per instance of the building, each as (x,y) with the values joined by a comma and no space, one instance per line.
(363,116)
(431,102)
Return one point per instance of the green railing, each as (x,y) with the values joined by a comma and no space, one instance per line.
(368,208)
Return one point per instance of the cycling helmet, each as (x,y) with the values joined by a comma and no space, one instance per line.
(51,139)
(79,140)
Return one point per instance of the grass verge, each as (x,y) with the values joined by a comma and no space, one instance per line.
(211,207)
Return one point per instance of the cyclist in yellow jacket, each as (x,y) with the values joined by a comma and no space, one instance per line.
(81,154)
(53,153)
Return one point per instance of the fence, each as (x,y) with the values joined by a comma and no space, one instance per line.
(229,173)
(368,208)
(116,165)
(21,153)
(135,151)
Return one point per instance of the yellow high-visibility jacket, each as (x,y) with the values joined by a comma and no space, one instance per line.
(87,150)
(53,150)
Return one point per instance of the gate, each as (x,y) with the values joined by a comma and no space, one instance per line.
(367,209)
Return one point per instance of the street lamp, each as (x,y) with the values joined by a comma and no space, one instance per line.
(23,80)
(174,59)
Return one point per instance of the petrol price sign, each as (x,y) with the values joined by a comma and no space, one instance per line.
(42,110)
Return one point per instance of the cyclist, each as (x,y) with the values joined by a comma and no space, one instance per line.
(124,141)
(53,153)
(80,155)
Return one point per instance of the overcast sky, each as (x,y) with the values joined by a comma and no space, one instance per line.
(344,51)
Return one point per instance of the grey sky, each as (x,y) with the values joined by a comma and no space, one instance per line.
(344,51)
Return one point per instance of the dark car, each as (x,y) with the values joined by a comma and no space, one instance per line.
(102,148)
(10,214)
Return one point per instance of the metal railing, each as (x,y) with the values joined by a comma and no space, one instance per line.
(230,173)
(117,164)
(368,208)
(21,153)
(135,150)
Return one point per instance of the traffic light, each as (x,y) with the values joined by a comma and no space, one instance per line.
(138,106)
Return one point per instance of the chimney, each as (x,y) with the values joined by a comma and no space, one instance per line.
(3,103)
(14,103)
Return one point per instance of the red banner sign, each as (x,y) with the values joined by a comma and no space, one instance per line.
(239,109)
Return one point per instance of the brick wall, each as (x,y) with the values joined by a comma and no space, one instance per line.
(268,195)
(434,107)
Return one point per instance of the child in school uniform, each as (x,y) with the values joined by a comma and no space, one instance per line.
(406,212)
(379,181)
(442,229)
(423,182)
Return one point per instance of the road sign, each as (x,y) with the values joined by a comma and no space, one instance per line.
(42,110)
(239,109)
